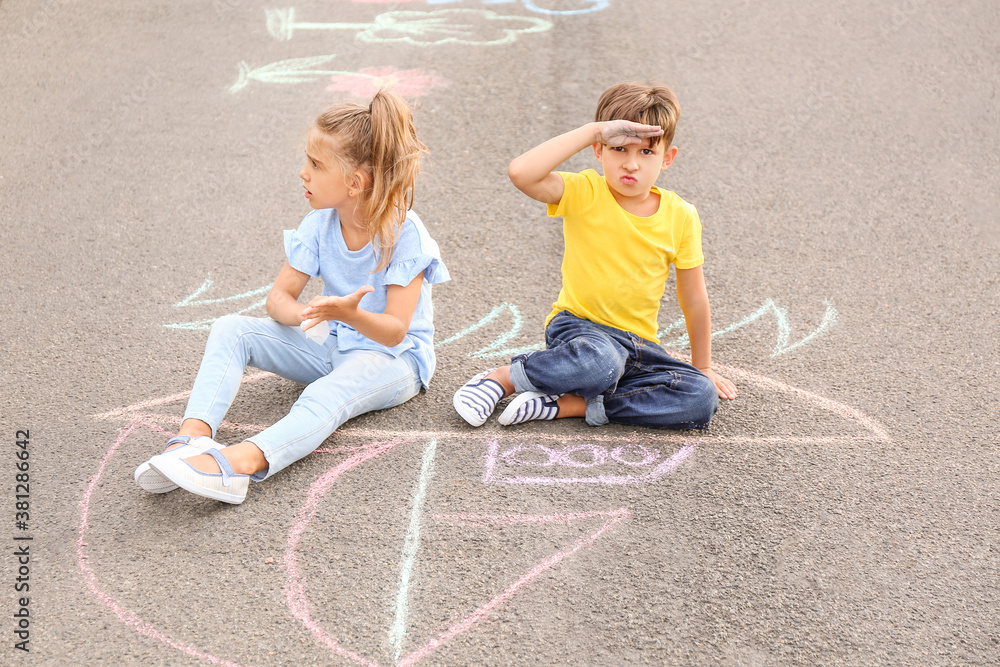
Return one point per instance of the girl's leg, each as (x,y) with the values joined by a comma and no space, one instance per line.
(235,343)
(361,381)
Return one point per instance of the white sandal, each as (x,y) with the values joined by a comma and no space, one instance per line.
(152,481)
(227,485)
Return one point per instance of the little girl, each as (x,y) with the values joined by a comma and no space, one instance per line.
(377,262)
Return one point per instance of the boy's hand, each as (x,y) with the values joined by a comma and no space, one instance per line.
(342,308)
(725,388)
(625,132)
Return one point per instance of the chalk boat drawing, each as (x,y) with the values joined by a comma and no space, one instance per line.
(144,416)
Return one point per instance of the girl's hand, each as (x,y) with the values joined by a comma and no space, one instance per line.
(342,308)
(625,132)
(725,387)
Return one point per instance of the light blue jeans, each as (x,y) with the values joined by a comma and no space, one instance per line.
(339,385)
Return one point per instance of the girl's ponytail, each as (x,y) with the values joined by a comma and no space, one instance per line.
(380,139)
(395,162)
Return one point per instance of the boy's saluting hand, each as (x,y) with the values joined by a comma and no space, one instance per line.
(625,132)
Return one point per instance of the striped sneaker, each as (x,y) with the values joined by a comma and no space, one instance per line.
(528,406)
(476,400)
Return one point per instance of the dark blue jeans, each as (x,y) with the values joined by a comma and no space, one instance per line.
(625,379)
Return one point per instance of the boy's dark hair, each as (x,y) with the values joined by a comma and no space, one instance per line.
(647,103)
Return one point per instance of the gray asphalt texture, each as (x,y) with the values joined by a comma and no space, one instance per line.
(842,511)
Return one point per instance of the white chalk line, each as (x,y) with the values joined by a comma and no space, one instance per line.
(411,544)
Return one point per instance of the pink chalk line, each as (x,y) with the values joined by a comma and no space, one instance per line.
(124,615)
(168,419)
(295,596)
(297,601)
(840,409)
(657,437)
(484,611)
(487,520)
(463,434)
(844,411)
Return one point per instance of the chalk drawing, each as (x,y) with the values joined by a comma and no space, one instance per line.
(295,590)
(191,301)
(782,345)
(535,459)
(569,457)
(473,619)
(410,546)
(499,346)
(129,618)
(408,83)
(582,6)
(293,70)
(479,27)
(496,348)
(588,7)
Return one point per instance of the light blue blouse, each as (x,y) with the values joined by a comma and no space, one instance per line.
(317,248)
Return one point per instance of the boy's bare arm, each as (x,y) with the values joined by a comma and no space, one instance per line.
(692,295)
(533,173)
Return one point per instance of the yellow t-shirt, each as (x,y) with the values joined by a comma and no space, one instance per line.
(615,264)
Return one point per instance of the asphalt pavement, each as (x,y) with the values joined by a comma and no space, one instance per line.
(843,510)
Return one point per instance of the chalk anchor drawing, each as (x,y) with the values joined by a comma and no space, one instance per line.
(471,27)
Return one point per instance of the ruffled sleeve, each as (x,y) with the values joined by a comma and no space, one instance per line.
(302,247)
(415,253)
(403,273)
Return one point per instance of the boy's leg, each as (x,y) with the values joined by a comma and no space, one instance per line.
(582,358)
(237,342)
(661,392)
(361,381)
(476,400)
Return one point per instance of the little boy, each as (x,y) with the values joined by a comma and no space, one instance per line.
(602,359)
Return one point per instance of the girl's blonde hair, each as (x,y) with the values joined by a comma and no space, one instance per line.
(380,140)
